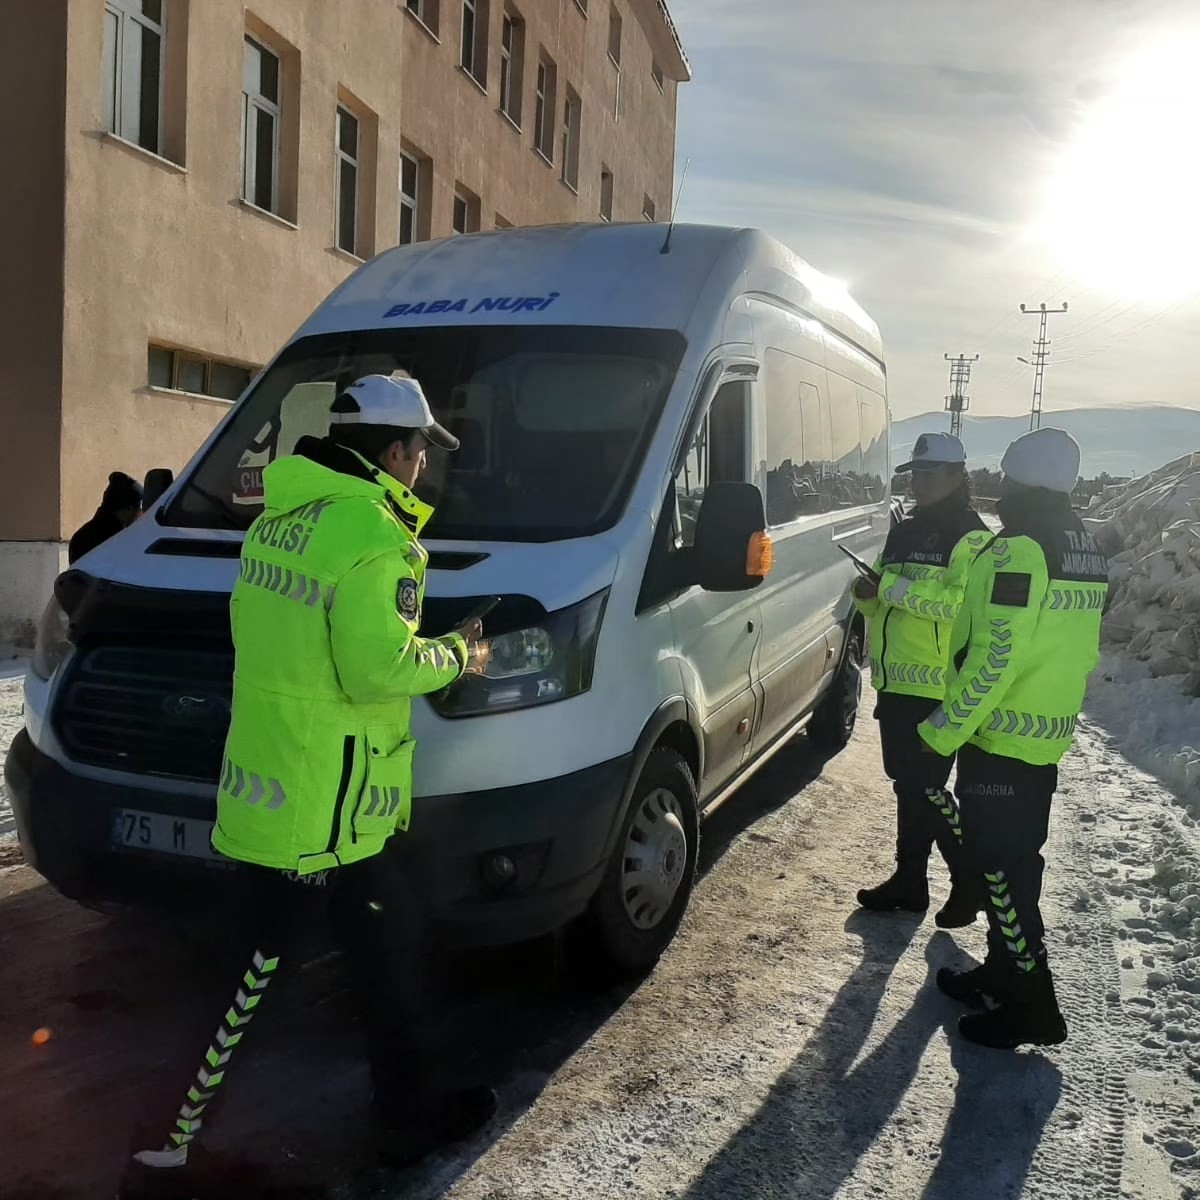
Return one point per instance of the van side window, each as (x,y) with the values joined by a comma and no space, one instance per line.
(718,455)
(798,473)
(876,457)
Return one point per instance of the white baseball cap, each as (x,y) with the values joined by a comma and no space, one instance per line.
(1046,458)
(390,400)
(935,450)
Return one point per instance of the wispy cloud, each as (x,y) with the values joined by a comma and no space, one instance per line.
(905,146)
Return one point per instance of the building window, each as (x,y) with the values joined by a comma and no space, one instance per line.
(544,109)
(261,118)
(656,73)
(134,41)
(473,56)
(647,208)
(614,36)
(512,65)
(426,11)
(606,194)
(198,374)
(347,181)
(572,109)
(466,211)
(412,200)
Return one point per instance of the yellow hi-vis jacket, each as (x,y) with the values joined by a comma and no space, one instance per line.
(318,762)
(923,576)
(1027,639)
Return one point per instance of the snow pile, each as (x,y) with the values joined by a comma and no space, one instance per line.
(1147,691)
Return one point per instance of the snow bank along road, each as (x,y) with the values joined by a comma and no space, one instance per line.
(785,1047)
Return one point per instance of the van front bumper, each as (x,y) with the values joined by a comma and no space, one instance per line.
(492,867)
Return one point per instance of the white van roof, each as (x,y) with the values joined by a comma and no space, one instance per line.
(594,274)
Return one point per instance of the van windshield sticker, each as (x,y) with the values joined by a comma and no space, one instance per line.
(513,304)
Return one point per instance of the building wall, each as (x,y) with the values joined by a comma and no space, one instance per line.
(170,255)
(469,141)
(120,248)
(33,71)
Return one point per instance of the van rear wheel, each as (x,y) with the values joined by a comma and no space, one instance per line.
(649,878)
(836,715)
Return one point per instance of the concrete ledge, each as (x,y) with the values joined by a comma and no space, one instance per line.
(27,574)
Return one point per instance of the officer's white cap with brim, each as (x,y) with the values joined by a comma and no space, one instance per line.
(935,450)
(396,402)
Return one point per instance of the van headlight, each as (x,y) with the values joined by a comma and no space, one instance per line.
(541,664)
(51,646)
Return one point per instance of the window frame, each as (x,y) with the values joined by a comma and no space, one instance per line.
(410,203)
(427,13)
(606,177)
(512,65)
(252,104)
(616,25)
(113,116)
(180,358)
(344,159)
(572,131)
(545,107)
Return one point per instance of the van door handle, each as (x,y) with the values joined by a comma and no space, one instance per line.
(749,626)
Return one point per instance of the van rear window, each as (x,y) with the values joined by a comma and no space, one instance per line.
(554,424)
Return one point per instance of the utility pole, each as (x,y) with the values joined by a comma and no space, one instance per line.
(1041,352)
(958,401)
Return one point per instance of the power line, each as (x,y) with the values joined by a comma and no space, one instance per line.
(958,401)
(1041,352)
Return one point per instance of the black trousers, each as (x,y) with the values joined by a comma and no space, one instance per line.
(377,921)
(1005,811)
(924,809)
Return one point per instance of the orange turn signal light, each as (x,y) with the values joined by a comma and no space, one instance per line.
(760,555)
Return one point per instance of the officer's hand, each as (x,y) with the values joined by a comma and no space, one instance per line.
(479,654)
(866,589)
(470,631)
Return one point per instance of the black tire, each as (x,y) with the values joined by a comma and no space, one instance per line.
(636,924)
(833,721)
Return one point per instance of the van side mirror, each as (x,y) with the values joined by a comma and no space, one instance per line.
(157,480)
(731,551)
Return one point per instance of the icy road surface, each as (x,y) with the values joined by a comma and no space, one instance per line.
(786,1046)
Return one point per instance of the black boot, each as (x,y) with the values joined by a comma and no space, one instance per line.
(906,890)
(403,1141)
(970,987)
(1028,1014)
(961,908)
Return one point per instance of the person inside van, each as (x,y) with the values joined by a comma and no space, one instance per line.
(120,506)
(317,773)
(911,612)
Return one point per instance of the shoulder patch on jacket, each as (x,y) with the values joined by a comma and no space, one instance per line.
(1011,588)
(408,604)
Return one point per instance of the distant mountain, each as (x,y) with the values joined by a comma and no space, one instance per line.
(1121,441)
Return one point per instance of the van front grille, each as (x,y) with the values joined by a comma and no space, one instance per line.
(150,710)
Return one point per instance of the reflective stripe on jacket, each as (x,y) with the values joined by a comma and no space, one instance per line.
(1028,637)
(325,612)
(923,567)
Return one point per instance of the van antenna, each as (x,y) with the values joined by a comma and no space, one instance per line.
(666,246)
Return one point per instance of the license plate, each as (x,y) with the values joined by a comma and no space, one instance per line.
(137,830)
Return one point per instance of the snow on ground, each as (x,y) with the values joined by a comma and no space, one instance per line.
(12,679)
(1147,690)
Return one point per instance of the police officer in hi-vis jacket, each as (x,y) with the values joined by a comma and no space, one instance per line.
(911,614)
(317,775)
(1026,640)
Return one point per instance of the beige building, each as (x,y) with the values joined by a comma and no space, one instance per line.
(186,180)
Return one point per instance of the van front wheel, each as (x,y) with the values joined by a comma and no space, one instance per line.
(649,877)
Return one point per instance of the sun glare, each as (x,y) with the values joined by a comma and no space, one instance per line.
(1124,206)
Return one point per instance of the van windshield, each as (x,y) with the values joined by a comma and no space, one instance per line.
(554,422)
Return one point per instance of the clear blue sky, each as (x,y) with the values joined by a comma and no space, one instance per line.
(950,159)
